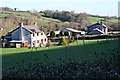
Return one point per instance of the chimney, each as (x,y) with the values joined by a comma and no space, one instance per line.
(20,24)
(101,22)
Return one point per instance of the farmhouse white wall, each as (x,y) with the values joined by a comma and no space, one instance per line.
(39,37)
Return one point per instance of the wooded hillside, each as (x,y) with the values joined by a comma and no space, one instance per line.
(49,20)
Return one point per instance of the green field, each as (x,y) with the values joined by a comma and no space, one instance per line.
(95,19)
(76,51)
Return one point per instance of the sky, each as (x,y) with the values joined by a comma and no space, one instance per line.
(95,7)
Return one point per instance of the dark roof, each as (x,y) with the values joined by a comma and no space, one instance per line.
(16,29)
(74,30)
(97,24)
(32,28)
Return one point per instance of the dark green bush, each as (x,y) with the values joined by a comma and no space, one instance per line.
(52,34)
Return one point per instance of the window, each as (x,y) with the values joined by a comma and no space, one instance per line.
(33,34)
(41,33)
(37,34)
(66,33)
(45,39)
(37,41)
(33,44)
(41,40)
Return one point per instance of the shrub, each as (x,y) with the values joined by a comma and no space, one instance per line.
(63,41)
(52,34)
(48,44)
(72,39)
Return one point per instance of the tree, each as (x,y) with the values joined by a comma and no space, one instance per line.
(72,39)
(115,26)
(56,14)
(82,18)
(48,13)
(15,9)
(52,34)
(7,9)
(57,27)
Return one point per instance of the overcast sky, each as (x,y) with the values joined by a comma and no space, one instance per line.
(101,7)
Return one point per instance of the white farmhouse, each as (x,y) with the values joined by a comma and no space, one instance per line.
(26,36)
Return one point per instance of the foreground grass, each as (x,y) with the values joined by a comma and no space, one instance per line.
(76,51)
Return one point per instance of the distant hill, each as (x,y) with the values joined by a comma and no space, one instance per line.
(48,21)
(10,19)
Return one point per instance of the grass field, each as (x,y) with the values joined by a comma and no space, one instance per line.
(76,51)
(95,19)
